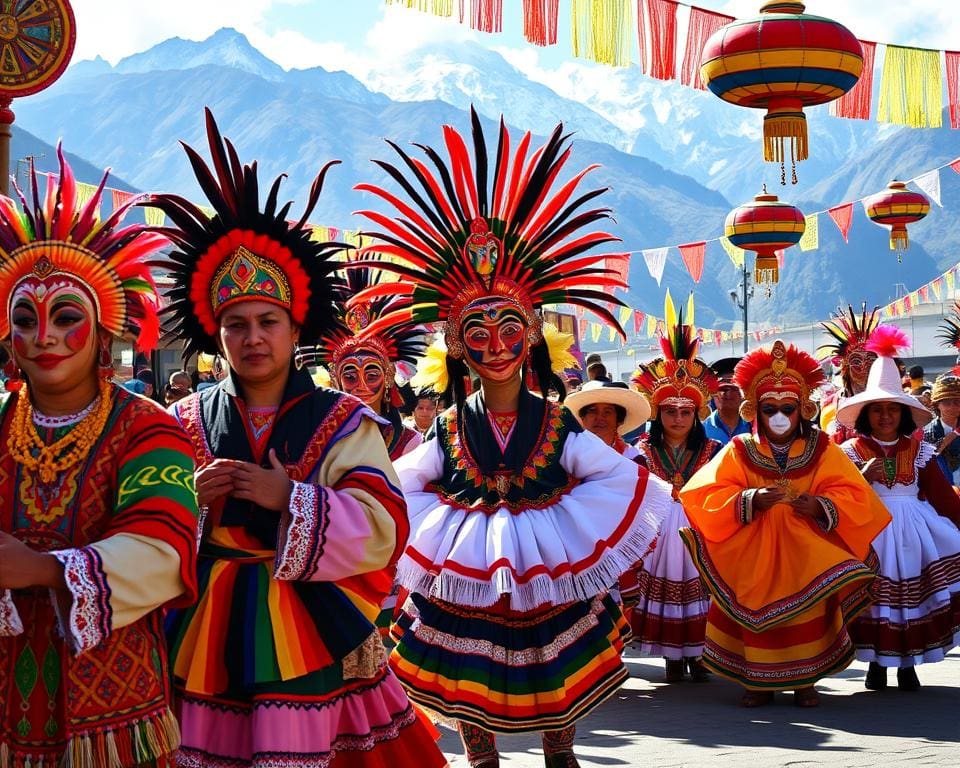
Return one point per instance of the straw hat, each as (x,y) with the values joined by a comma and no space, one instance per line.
(883,382)
(612,393)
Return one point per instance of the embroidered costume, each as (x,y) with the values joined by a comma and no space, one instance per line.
(520,520)
(915,614)
(667,600)
(783,586)
(279,662)
(108,491)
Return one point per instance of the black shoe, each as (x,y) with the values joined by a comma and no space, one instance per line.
(561,760)
(876,677)
(674,672)
(698,672)
(907,679)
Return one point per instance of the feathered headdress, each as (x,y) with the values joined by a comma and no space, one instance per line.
(779,372)
(849,333)
(56,235)
(350,330)
(949,330)
(242,252)
(468,232)
(679,377)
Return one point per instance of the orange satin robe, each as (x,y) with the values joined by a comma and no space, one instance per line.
(784,586)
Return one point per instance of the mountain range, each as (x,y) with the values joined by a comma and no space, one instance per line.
(675,160)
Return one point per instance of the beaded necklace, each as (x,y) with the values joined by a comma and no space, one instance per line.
(28,448)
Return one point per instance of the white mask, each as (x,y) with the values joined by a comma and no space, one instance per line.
(779,424)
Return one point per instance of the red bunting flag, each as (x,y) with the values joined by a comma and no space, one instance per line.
(956,165)
(842,215)
(924,294)
(583,328)
(660,39)
(855,103)
(756,335)
(578,311)
(953,87)
(661,328)
(717,337)
(780,256)
(638,318)
(618,264)
(540,21)
(692,255)
(701,25)
(485,15)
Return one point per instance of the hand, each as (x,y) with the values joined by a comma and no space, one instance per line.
(872,471)
(215,480)
(765,498)
(21,566)
(270,488)
(807,505)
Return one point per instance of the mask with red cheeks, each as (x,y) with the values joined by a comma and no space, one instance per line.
(859,364)
(363,375)
(51,320)
(495,340)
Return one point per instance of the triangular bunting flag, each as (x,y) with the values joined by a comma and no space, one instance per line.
(638,318)
(956,165)
(692,255)
(85,192)
(929,184)
(624,316)
(119,197)
(154,217)
(583,328)
(842,215)
(619,264)
(595,330)
(651,326)
(656,260)
(736,254)
(937,286)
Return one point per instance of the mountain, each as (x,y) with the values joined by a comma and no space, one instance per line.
(670,155)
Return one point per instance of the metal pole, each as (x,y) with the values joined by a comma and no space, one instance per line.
(6,133)
(745,300)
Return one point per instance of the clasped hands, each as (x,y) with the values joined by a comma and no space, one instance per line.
(268,488)
(804,504)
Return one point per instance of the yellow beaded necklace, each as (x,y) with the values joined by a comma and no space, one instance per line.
(27,447)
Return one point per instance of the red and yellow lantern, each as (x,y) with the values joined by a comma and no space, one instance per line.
(896,207)
(765,225)
(782,60)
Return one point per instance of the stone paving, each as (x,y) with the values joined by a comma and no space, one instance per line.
(650,723)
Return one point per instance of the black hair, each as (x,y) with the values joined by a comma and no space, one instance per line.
(695,440)
(906,427)
(620,410)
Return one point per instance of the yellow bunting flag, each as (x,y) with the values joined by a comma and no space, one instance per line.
(603,31)
(84,193)
(434,7)
(736,254)
(811,233)
(937,288)
(154,217)
(595,330)
(207,211)
(624,318)
(613,333)
(651,326)
(949,278)
(911,88)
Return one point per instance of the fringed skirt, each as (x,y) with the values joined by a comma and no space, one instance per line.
(665,599)
(510,671)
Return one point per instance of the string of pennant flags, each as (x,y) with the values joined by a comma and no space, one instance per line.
(604,31)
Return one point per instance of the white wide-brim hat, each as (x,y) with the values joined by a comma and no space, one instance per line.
(883,385)
(612,393)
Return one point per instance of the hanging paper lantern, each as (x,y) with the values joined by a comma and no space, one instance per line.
(896,207)
(782,60)
(765,225)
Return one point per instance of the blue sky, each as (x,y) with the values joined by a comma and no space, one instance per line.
(350,34)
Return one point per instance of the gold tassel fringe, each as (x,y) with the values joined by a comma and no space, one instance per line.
(911,88)
(777,130)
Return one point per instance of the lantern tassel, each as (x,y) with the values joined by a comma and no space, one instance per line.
(899,240)
(767,269)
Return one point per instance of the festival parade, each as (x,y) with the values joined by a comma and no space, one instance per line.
(479,383)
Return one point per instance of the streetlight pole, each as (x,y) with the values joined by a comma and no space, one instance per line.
(742,300)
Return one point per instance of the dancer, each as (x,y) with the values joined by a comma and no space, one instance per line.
(99,521)
(667,600)
(520,520)
(849,352)
(279,663)
(781,526)
(363,364)
(915,614)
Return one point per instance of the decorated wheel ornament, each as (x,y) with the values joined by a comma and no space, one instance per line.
(765,225)
(896,207)
(782,60)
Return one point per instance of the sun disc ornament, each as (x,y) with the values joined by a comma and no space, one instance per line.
(765,225)
(896,207)
(782,60)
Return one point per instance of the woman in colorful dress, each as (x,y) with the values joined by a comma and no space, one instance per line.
(666,598)
(99,521)
(519,518)
(610,409)
(365,365)
(781,527)
(915,614)
(279,663)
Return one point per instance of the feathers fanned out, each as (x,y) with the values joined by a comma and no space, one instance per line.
(887,341)
(432,369)
(559,344)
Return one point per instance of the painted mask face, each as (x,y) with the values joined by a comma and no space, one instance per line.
(53,332)
(362,375)
(495,340)
(859,364)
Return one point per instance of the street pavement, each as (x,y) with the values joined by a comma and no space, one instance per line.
(650,723)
